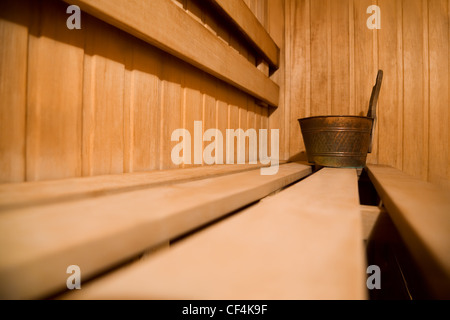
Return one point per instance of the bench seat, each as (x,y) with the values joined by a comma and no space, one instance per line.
(421,213)
(304,242)
(97,232)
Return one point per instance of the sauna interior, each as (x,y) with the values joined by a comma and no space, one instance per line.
(119,179)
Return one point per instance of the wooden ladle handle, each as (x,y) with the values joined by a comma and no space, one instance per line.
(371,113)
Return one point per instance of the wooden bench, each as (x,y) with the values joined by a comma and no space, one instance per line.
(421,214)
(305,242)
(103,221)
(233,233)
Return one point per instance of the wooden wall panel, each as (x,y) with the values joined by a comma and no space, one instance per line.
(340,63)
(221,117)
(192,109)
(411,48)
(117,109)
(54,95)
(365,71)
(142,109)
(299,79)
(414,155)
(390,103)
(439,135)
(99,101)
(14,22)
(319,58)
(171,108)
(103,102)
(277,117)
(209,105)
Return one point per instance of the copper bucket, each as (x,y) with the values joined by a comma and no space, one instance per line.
(341,141)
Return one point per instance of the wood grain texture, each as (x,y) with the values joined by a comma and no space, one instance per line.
(365,65)
(142,109)
(276,27)
(41,242)
(320,95)
(390,107)
(413,125)
(250,25)
(103,101)
(340,78)
(439,104)
(185,38)
(250,255)
(299,68)
(171,107)
(420,211)
(411,48)
(14,22)
(27,194)
(54,96)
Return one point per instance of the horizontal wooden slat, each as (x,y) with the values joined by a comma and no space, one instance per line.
(304,242)
(39,243)
(421,213)
(19,195)
(248,24)
(165,25)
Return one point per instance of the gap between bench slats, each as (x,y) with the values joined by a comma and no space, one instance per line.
(304,242)
(421,213)
(39,243)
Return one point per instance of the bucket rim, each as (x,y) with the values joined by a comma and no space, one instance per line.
(336,116)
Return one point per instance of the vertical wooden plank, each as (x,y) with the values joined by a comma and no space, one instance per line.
(258,110)
(439,132)
(306,73)
(340,77)
(14,22)
(171,107)
(233,121)
(221,117)
(128,110)
(103,91)
(251,123)
(192,109)
(209,105)
(389,101)
(364,76)
(400,77)
(54,96)
(237,109)
(265,125)
(365,64)
(329,56)
(276,29)
(222,93)
(144,109)
(319,57)
(413,126)
(243,123)
(426,93)
(351,35)
(288,34)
